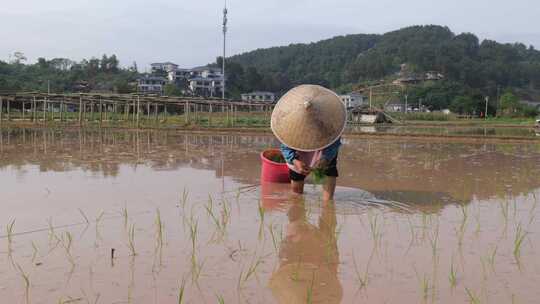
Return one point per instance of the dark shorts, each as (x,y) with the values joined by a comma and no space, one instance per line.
(330,171)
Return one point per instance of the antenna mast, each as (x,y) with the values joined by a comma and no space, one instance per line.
(224,47)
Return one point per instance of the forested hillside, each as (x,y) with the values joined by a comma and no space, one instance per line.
(471,67)
(65,75)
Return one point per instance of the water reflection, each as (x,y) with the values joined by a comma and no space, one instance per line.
(424,174)
(448,130)
(309,258)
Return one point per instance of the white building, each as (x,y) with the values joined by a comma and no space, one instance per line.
(202,81)
(163,67)
(353,100)
(206,86)
(151,84)
(179,74)
(259,96)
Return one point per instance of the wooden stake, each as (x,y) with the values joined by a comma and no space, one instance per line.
(138,109)
(100,110)
(133,116)
(186,112)
(44,110)
(210,116)
(80,110)
(62,108)
(34,113)
(165,113)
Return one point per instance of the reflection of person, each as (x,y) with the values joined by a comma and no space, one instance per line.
(309,259)
(309,121)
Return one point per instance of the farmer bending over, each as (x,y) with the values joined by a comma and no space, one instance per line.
(309,121)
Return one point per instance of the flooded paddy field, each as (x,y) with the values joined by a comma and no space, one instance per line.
(453,131)
(167,217)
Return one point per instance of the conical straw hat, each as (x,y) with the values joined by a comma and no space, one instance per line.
(309,118)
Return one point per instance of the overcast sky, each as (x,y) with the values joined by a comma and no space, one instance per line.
(189,32)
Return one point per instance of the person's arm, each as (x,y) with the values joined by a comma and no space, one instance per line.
(288,153)
(330,152)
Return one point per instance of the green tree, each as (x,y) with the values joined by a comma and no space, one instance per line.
(465,105)
(509,104)
(172,90)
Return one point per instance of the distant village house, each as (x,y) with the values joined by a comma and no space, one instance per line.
(353,100)
(259,97)
(163,67)
(407,77)
(151,84)
(201,81)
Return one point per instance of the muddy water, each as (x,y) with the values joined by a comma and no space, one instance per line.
(189,210)
(461,131)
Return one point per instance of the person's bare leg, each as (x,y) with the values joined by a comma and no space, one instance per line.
(297,187)
(329,188)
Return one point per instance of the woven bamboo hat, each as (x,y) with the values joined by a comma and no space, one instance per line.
(309,118)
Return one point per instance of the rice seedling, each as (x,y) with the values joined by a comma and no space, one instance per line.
(452,277)
(52,235)
(424,287)
(478,222)
(131,240)
(196,269)
(87,298)
(239,281)
(425,224)
(84,216)
(69,300)
(518,241)
(67,241)
(252,269)
(318,176)
(309,296)
(219,223)
(434,240)
(362,278)
(504,211)
(125,216)
(159,230)
(181,291)
(220,299)
(225,214)
(274,239)
(193,231)
(9,231)
(98,221)
(412,232)
(26,279)
(491,258)
(100,217)
(261,216)
(34,252)
(375,228)
(473,298)
(460,232)
(238,194)
(424,284)
(184,199)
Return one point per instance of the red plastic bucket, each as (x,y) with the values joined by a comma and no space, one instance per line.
(273,172)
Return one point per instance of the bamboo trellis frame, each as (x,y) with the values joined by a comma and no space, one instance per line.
(85,104)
